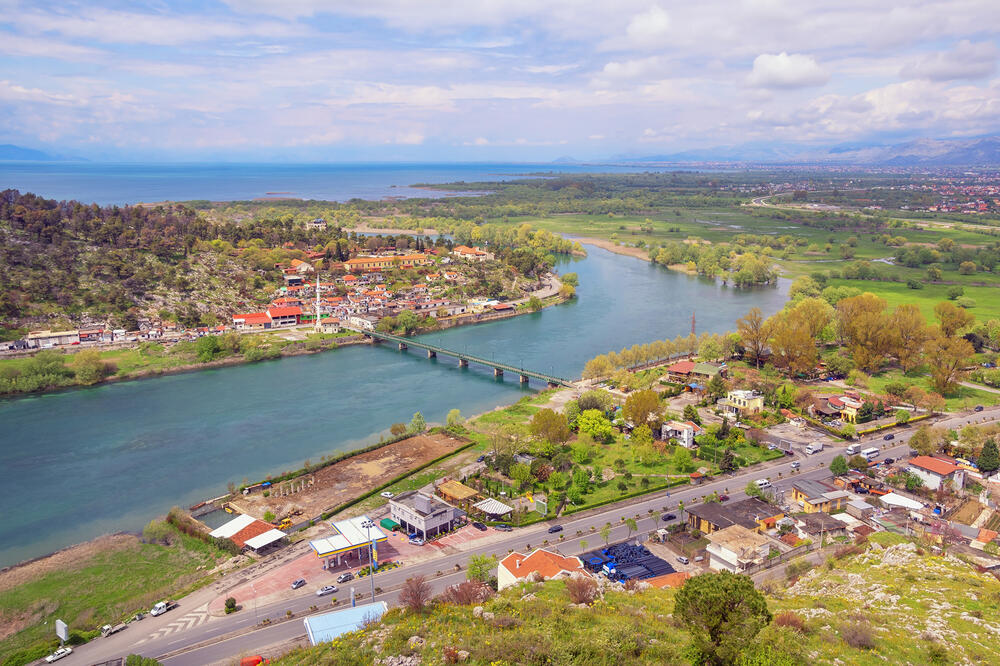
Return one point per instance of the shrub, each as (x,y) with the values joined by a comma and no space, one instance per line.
(415,594)
(790,620)
(858,634)
(230,605)
(581,590)
(937,654)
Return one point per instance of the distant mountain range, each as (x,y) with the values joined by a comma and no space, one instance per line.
(983,151)
(11,152)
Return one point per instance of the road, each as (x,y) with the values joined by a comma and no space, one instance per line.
(175,636)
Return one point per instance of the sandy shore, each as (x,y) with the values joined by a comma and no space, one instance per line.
(637,252)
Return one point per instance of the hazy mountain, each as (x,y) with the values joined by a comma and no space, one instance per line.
(11,152)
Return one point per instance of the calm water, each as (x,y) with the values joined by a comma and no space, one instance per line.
(81,463)
(134,183)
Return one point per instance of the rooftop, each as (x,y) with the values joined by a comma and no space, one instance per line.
(544,562)
(745,512)
(409,499)
(456,490)
(935,465)
(324,628)
(815,523)
(738,539)
(347,535)
(812,489)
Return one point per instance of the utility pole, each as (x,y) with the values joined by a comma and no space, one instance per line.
(692,322)
(368,525)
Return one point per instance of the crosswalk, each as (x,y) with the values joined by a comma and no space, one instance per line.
(183,623)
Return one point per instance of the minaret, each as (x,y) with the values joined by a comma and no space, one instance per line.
(317,325)
(692,323)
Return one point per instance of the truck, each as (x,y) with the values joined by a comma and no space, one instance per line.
(162,607)
(109,629)
(814,447)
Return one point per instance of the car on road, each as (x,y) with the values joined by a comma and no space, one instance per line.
(344,577)
(297,583)
(479,526)
(723,498)
(416,541)
(480,458)
(889,437)
(978,408)
(795,464)
(325,590)
(683,560)
(888,461)
(59,654)
(502,527)
(555,528)
(387,495)
(789,452)
(669,516)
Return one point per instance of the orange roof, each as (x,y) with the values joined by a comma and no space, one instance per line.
(546,563)
(350,278)
(256,528)
(939,467)
(253,318)
(285,312)
(682,367)
(675,579)
(985,535)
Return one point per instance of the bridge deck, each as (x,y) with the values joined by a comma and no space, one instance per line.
(506,367)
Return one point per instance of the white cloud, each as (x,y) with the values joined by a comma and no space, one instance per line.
(649,29)
(548,69)
(595,137)
(637,68)
(966,61)
(786,71)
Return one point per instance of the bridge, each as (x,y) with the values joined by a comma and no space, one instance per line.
(464,359)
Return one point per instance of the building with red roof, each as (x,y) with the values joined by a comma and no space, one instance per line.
(544,563)
(935,472)
(285,315)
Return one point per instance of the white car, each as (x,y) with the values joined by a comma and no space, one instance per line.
(59,654)
(326,589)
(386,494)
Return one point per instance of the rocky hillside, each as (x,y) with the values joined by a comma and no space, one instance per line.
(891,602)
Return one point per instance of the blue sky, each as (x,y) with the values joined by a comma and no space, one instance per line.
(488,80)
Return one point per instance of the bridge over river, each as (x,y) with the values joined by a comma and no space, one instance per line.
(464,358)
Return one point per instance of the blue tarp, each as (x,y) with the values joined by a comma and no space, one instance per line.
(326,627)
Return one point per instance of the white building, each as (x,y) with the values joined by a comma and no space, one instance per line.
(423,514)
(736,548)
(683,431)
(935,472)
(364,322)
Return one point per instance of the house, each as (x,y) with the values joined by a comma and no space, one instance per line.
(284,315)
(423,514)
(860,509)
(819,525)
(368,263)
(318,223)
(935,472)
(91,334)
(751,513)
(736,548)
(704,372)
(43,339)
(814,496)
(301,267)
(472,253)
(742,402)
(984,537)
(680,371)
(456,492)
(683,431)
(543,563)
(252,321)
(363,322)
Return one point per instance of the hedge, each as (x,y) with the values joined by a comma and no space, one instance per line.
(926,415)
(637,493)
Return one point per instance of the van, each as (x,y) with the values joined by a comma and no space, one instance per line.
(814,447)
(852,450)
(763,483)
(870,454)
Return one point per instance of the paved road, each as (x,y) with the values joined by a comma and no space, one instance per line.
(188,626)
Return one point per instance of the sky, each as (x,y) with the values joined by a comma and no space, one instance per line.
(489,80)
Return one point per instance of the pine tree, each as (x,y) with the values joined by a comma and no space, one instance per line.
(989,458)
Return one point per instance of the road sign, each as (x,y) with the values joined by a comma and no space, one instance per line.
(62,631)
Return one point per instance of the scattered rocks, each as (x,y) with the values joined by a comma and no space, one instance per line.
(399,660)
(462,655)
(899,554)
(415,642)
(488,616)
(477,611)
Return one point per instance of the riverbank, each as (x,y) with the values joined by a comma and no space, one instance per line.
(611,246)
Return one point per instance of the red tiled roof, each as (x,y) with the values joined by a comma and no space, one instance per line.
(285,312)
(939,467)
(545,563)
(253,318)
(682,367)
(256,528)
(985,535)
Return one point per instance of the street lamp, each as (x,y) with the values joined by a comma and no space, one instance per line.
(368,525)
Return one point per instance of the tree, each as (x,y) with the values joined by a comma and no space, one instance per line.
(946,358)
(716,387)
(139,660)
(534,303)
(642,407)
(753,490)
(397,429)
(723,612)
(902,416)
(908,334)
(863,326)
(710,348)
(417,423)
(682,459)
(571,279)
(605,533)
(594,423)
(793,347)
(550,425)
(520,472)
(599,366)
(838,466)
(691,414)
(415,594)
(632,526)
(753,331)
(952,318)
(922,442)
(816,314)
(481,567)
(728,462)
(859,463)
(89,368)
(596,399)
(208,348)
(989,458)
(454,418)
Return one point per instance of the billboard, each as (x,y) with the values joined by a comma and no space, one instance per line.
(62,631)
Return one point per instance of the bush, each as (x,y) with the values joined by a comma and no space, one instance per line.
(230,605)
(858,634)
(415,594)
(467,593)
(581,590)
(790,620)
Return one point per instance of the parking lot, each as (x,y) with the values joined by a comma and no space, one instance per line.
(800,437)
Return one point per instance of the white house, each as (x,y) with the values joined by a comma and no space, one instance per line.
(736,548)
(683,431)
(364,322)
(544,563)
(935,472)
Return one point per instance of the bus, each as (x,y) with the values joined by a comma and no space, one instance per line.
(871,454)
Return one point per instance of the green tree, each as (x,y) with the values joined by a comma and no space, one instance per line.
(605,533)
(902,416)
(534,304)
(89,368)
(642,407)
(594,423)
(753,490)
(596,399)
(481,567)
(716,387)
(454,418)
(550,425)
(208,348)
(632,526)
(417,423)
(520,472)
(397,429)
(989,458)
(691,414)
(571,279)
(723,612)
(859,463)
(838,466)
(139,660)
(682,460)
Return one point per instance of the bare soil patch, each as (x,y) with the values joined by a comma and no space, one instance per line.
(67,558)
(637,252)
(345,480)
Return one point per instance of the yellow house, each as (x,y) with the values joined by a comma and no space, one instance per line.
(742,402)
(815,496)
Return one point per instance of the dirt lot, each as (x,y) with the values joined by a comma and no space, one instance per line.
(64,559)
(338,483)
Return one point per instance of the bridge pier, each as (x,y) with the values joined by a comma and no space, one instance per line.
(524,379)
(463,363)
(402,346)
(431,354)
(497,372)
(553,385)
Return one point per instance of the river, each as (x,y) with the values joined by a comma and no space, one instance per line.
(85,462)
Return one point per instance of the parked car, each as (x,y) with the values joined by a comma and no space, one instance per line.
(667,517)
(889,437)
(299,582)
(772,447)
(59,654)
(723,498)
(417,541)
(479,526)
(386,494)
(699,558)
(480,458)
(789,452)
(978,408)
(344,577)
(325,590)
(683,560)
(795,464)
(889,461)
(502,527)
(555,528)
